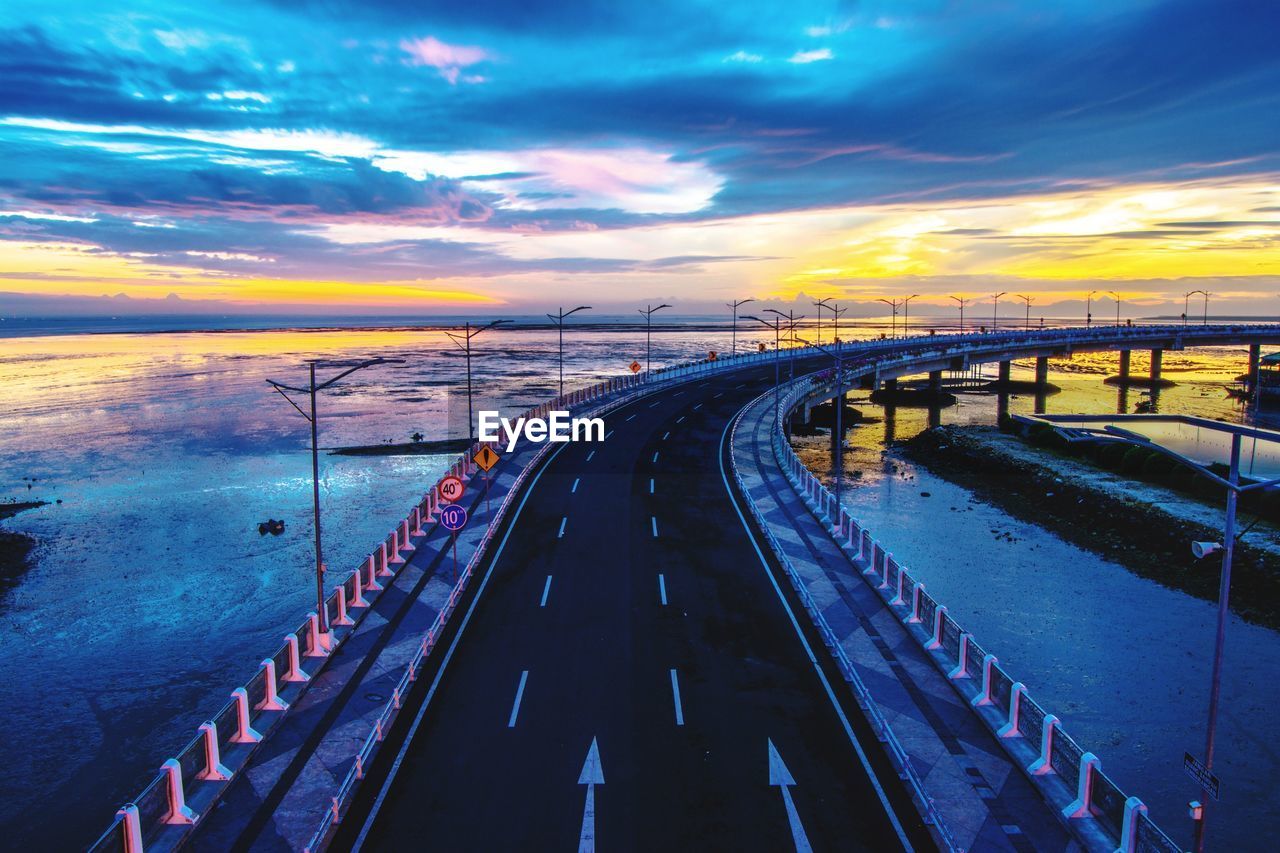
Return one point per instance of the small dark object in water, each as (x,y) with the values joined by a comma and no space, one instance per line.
(925,495)
(273,526)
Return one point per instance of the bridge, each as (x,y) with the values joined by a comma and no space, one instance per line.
(673,639)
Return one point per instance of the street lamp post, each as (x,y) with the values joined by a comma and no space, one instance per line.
(1027,299)
(648,313)
(960,300)
(995,309)
(734,305)
(836,313)
(1204,549)
(791,319)
(464,343)
(906,302)
(1207,294)
(776,325)
(322,612)
(1116,297)
(893,324)
(558,319)
(820,304)
(1088,309)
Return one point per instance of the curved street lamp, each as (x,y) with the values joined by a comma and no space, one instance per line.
(893,325)
(995,309)
(648,313)
(463,340)
(735,305)
(322,613)
(961,300)
(558,319)
(1027,299)
(1116,297)
(820,304)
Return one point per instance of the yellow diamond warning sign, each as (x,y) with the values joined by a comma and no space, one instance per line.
(486,457)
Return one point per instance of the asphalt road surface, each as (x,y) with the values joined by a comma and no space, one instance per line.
(627,606)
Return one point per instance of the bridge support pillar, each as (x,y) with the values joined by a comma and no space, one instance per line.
(890,385)
(1042,371)
(1157,356)
(1124,366)
(1255,357)
(935,381)
(1003,376)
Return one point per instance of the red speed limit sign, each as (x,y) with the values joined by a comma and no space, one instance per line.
(451,488)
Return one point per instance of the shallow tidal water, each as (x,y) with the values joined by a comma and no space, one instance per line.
(1123,661)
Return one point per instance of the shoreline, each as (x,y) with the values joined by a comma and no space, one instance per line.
(15,548)
(1142,527)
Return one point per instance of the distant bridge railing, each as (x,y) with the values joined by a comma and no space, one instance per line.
(1070,777)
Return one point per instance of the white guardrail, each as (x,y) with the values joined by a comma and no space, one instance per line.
(1086,797)
(256,707)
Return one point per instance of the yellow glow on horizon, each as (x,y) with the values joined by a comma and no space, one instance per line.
(1129,235)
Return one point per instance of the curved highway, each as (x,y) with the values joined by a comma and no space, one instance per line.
(628,606)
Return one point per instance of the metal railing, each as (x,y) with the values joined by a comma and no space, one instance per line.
(1000,701)
(285,674)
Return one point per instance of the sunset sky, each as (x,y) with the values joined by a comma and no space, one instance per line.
(507,155)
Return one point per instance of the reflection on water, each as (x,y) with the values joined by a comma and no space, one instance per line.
(1201,442)
(1124,661)
(152,592)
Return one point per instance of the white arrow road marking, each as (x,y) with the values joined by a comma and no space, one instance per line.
(592,774)
(779,775)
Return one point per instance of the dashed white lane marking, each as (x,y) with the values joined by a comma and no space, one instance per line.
(718,395)
(560,535)
(654,520)
(655,455)
(546,590)
(675,695)
(679,419)
(589,455)
(515,707)
(650,485)
(662,589)
(664,435)
(651,405)
(575,485)
(609,433)
(698,406)
(631,417)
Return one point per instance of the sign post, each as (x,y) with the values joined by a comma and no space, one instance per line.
(635,366)
(451,489)
(486,457)
(453,518)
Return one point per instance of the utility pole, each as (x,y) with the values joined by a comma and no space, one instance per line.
(464,343)
(558,319)
(648,326)
(312,389)
(735,305)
